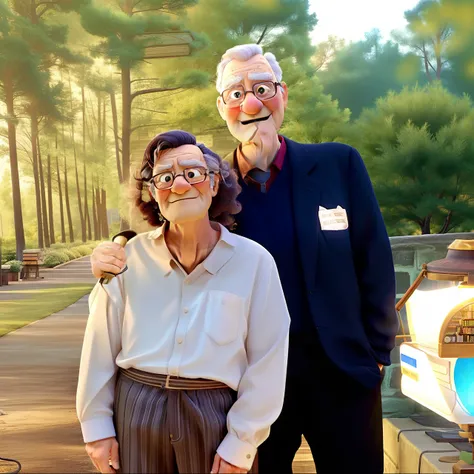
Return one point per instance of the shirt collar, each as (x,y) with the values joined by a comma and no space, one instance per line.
(277,162)
(219,256)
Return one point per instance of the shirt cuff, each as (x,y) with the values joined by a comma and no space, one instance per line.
(98,428)
(237,452)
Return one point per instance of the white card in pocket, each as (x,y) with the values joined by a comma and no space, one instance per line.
(333,219)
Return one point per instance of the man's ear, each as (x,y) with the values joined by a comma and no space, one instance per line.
(284,92)
(220,107)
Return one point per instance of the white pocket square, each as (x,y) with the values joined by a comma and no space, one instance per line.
(333,219)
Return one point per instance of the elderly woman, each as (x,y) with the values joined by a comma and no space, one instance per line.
(184,357)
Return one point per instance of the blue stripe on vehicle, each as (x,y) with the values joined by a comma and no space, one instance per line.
(408,360)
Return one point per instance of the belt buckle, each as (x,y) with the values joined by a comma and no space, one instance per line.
(167,382)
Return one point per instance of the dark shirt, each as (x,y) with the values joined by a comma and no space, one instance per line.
(275,167)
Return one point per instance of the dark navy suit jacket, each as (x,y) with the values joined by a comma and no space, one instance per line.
(348,274)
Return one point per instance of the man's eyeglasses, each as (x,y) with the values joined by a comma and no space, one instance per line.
(165,179)
(235,95)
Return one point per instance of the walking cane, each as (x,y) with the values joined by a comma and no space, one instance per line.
(121,238)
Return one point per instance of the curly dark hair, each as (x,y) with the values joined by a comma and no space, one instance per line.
(224,205)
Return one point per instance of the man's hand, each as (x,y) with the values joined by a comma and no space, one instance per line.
(101,452)
(219,465)
(107,257)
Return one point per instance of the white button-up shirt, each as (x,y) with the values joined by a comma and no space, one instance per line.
(227,321)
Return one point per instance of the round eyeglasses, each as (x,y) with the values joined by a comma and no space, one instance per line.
(235,95)
(165,179)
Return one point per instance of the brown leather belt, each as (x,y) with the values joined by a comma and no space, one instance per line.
(170,381)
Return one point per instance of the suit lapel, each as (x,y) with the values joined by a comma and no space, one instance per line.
(306,198)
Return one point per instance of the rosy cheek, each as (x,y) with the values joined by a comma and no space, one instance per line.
(202,187)
(162,194)
(274,103)
(232,113)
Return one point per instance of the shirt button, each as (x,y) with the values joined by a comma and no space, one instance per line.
(248,456)
(179,340)
(185,310)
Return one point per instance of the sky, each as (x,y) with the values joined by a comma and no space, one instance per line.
(350,19)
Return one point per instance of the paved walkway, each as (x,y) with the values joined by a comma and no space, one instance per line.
(38,378)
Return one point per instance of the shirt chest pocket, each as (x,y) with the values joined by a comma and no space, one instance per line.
(225,316)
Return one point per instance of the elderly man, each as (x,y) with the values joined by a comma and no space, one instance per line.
(184,358)
(313,208)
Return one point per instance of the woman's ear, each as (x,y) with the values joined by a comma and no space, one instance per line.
(151,193)
(215,187)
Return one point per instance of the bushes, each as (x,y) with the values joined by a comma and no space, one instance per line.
(61,253)
(15,265)
(55,257)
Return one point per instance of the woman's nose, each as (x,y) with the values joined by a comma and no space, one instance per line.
(180,185)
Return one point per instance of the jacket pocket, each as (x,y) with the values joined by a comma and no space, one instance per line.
(224,316)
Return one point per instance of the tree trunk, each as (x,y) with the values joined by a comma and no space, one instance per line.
(50,203)
(98,212)
(79,202)
(86,206)
(447,223)
(83,95)
(47,242)
(426,63)
(113,105)
(68,206)
(15,177)
(104,123)
(105,224)
(126,125)
(99,120)
(61,207)
(94,213)
(426,225)
(34,152)
(126,115)
(439,60)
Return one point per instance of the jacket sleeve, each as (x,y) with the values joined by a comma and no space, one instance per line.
(97,370)
(373,262)
(262,386)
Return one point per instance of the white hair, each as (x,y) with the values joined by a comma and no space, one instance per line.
(244,52)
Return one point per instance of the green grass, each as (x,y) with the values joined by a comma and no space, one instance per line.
(37,304)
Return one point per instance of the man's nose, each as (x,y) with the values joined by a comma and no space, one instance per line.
(180,185)
(251,105)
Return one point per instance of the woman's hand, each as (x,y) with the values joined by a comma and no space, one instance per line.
(107,257)
(220,465)
(102,451)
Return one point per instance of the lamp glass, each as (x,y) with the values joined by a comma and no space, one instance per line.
(464,382)
(428,307)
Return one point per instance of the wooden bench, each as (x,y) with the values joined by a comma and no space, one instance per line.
(32,259)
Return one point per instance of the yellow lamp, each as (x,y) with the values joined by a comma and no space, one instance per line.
(438,363)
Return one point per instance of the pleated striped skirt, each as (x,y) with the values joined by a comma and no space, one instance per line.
(169,431)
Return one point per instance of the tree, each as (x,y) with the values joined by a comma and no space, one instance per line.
(363,71)
(279,26)
(127,32)
(459,15)
(312,116)
(18,75)
(326,51)
(427,35)
(419,150)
